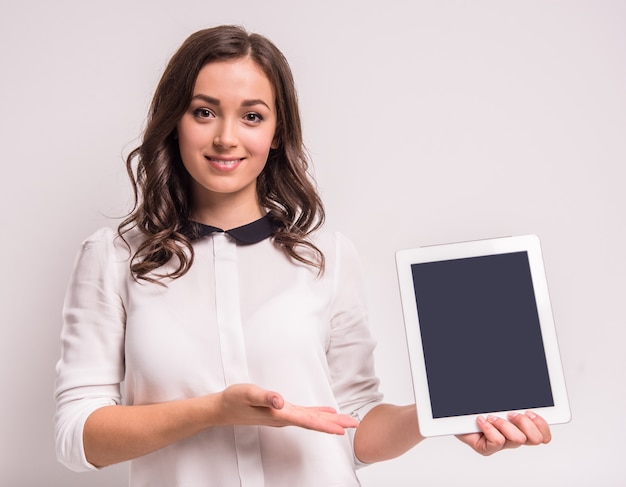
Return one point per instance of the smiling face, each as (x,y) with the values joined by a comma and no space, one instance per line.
(225,137)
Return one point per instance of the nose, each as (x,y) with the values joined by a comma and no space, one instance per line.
(226,135)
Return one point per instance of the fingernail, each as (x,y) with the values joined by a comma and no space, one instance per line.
(491,418)
(513,415)
(275,402)
(531,415)
(480,419)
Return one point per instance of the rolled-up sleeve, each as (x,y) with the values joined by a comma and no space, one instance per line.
(91,366)
(351,351)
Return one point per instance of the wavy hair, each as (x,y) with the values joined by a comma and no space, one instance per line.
(162,186)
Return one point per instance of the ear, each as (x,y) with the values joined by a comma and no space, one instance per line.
(275,142)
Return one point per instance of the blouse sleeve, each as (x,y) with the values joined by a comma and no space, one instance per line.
(91,366)
(351,350)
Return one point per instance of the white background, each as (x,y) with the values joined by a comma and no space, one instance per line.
(427,122)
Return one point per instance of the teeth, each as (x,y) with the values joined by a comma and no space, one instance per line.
(222,162)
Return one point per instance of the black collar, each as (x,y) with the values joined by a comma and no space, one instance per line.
(251,233)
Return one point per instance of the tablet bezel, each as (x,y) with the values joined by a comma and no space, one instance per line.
(429,426)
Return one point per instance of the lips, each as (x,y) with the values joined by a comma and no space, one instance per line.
(224,163)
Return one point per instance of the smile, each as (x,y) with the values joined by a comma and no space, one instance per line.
(224,162)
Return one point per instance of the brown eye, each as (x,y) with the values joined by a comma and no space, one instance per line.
(252,117)
(202,113)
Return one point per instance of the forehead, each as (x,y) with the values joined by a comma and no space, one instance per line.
(234,78)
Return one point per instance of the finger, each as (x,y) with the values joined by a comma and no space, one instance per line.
(347,421)
(499,434)
(526,425)
(330,421)
(275,400)
(258,396)
(324,409)
(493,440)
(514,437)
(542,425)
(335,426)
(322,419)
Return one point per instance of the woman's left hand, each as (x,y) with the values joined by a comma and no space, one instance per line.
(497,433)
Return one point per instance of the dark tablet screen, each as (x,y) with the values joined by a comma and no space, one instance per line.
(481,335)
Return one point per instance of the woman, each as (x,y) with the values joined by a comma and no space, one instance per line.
(220,289)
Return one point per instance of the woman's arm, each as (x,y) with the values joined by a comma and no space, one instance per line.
(388,431)
(115,434)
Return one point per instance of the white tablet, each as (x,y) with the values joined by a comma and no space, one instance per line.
(480,333)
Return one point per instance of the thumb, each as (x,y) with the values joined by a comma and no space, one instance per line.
(264,398)
(275,400)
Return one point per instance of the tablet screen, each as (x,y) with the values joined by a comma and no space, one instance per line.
(481,335)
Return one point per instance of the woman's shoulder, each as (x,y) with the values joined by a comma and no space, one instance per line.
(101,235)
(109,240)
(331,240)
(336,247)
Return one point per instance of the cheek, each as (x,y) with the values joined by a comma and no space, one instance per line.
(189,140)
(261,143)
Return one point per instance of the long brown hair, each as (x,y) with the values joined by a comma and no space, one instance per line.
(161,184)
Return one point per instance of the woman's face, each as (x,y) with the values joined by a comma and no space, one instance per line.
(226,133)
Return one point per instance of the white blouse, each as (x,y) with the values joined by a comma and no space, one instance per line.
(242,314)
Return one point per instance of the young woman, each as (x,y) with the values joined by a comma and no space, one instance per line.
(222,309)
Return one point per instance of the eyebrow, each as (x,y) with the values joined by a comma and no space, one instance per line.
(216,102)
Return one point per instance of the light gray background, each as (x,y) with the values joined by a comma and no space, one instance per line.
(428,122)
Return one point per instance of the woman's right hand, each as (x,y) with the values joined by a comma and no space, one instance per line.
(115,434)
(248,404)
